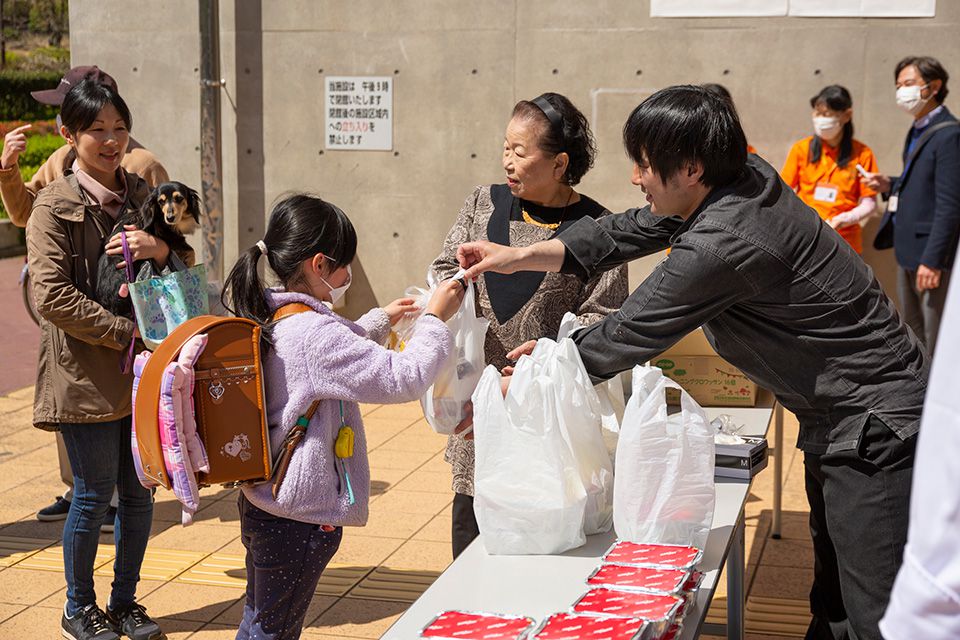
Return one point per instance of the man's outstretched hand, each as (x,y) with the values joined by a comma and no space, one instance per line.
(480,257)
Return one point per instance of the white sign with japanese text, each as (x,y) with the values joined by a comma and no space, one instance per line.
(807,8)
(359,113)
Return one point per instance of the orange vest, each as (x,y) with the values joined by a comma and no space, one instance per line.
(827,188)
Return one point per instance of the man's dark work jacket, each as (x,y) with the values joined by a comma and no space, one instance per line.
(779,294)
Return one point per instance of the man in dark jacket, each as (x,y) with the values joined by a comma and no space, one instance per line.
(781,296)
(923,202)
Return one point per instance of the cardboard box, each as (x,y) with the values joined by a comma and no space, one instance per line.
(741,461)
(708,378)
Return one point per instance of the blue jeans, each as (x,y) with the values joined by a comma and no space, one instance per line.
(101,459)
(285,559)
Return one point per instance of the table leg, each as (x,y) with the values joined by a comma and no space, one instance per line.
(777,469)
(736,568)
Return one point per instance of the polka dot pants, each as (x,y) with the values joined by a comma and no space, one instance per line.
(285,559)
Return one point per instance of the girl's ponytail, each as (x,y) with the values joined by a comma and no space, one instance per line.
(300,226)
(245,290)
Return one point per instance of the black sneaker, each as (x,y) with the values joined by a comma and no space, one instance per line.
(133,622)
(108,520)
(90,623)
(56,511)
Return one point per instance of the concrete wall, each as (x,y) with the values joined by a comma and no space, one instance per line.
(458,68)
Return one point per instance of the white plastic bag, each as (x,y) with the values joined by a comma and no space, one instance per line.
(444,403)
(578,415)
(664,486)
(610,392)
(529,498)
(403,330)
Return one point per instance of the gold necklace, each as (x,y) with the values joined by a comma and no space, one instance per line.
(546,225)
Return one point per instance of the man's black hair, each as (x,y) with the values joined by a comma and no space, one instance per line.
(684,124)
(930,69)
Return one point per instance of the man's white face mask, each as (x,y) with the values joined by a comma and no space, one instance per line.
(910,100)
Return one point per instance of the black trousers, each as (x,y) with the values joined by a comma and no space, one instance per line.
(464,523)
(859,509)
(285,559)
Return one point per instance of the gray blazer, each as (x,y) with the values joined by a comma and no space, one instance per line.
(780,295)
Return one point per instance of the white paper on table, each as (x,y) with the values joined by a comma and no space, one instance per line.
(716,8)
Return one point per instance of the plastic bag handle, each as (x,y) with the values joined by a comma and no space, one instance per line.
(175,262)
(469,300)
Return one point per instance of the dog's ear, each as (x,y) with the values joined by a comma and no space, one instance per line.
(195,206)
(148,210)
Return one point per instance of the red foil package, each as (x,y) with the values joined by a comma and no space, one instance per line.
(669,556)
(646,579)
(689,593)
(658,610)
(672,633)
(465,625)
(570,626)
(693,582)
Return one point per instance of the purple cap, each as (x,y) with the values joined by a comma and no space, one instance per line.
(73,77)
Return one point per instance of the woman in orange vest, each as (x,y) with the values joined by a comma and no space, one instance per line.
(823,168)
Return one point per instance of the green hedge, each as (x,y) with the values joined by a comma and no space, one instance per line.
(16,103)
(38,150)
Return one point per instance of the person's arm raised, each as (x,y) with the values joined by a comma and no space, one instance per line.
(480,257)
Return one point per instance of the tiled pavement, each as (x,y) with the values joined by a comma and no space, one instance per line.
(193,577)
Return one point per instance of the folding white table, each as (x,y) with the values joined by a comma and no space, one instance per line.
(538,586)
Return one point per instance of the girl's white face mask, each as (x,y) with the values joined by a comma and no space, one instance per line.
(336,293)
(909,98)
(826,126)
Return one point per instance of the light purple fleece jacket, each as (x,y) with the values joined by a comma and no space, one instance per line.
(324,356)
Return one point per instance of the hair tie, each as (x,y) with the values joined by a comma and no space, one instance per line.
(556,120)
(263,247)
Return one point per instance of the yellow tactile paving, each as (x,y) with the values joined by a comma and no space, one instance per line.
(337,580)
(51,558)
(763,615)
(218,569)
(777,615)
(15,550)
(159,564)
(393,584)
(229,570)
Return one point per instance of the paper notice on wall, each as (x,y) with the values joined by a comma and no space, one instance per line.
(824,8)
(864,8)
(359,113)
(801,8)
(716,8)
(899,8)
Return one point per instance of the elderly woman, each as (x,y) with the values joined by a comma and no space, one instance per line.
(547,149)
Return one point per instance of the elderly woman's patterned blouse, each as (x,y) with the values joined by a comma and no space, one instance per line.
(541,314)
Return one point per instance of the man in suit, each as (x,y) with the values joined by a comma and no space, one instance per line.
(922,221)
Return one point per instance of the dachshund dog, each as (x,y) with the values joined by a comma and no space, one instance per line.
(170,212)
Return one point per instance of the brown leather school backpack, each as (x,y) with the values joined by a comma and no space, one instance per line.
(228,399)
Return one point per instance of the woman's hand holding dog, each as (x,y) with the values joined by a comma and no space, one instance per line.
(143,246)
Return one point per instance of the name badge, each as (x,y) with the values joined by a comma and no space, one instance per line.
(826,193)
(892,204)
